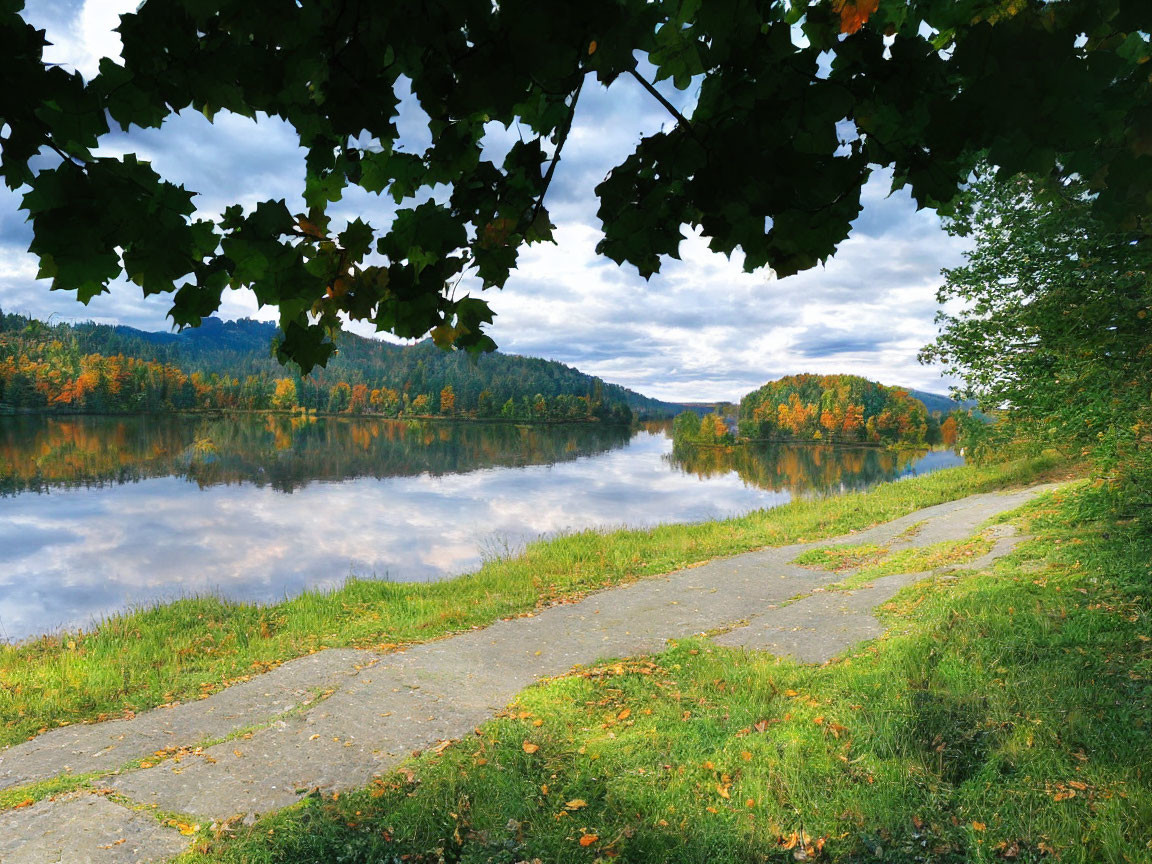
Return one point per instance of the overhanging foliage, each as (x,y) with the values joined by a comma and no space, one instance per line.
(796,102)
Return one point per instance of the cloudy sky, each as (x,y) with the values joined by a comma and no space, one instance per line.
(701,329)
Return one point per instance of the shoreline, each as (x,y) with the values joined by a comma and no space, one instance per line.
(7,411)
(808,442)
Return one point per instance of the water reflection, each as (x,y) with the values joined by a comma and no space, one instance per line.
(99,514)
(39,453)
(809,468)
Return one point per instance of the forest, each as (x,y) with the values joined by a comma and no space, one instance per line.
(232,366)
(838,409)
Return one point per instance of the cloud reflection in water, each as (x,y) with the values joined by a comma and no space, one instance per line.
(71,555)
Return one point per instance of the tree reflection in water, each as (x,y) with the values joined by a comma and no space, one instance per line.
(285,452)
(806,468)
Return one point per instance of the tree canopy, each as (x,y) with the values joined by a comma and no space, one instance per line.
(1053,320)
(794,104)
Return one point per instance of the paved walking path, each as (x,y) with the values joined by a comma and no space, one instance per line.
(336,719)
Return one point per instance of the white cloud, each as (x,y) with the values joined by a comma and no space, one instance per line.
(81,38)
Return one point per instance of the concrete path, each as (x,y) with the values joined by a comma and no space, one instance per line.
(336,719)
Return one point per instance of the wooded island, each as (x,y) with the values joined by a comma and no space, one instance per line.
(831,409)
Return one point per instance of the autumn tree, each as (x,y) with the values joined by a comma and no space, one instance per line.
(384,401)
(448,400)
(793,105)
(358,399)
(284,396)
(690,428)
(948,431)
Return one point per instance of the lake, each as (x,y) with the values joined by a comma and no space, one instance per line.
(101,514)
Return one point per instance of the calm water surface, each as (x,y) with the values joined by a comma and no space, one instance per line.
(102,514)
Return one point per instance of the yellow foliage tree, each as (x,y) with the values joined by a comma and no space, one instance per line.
(284,396)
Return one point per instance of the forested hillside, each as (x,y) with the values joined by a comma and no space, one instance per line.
(839,408)
(944,404)
(231,365)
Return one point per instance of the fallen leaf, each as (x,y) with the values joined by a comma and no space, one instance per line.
(722,791)
(588,839)
(576,804)
(529,747)
(978,826)
(623,715)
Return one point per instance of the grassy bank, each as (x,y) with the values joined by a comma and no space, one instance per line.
(193,647)
(1005,719)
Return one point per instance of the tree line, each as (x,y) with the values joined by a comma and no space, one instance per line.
(231,366)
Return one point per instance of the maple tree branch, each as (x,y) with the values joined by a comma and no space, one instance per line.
(680,118)
(567,127)
(82,164)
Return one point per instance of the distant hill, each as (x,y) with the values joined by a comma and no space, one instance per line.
(702,409)
(231,364)
(655,409)
(937,402)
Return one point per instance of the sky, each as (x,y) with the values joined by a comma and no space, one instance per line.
(701,329)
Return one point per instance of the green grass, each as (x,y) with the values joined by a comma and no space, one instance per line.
(28,794)
(1006,719)
(840,558)
(866,562)
(193,647)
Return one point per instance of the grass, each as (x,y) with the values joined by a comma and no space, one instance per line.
(193,647)
(841,558)
(1006,719)
(28,794)
(861,564)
